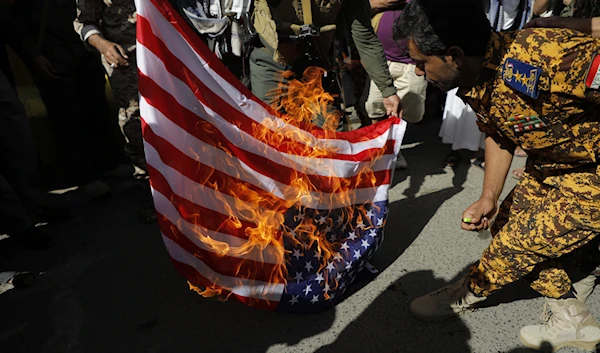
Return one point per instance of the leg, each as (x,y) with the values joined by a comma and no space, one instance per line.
(125,89)
(14,219)
(411,90)
(537,225)
(18,194)
(534,232)
(17,149)
(105,147)
(266,76)
(374,104)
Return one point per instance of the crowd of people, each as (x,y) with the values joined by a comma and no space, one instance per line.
(521,78)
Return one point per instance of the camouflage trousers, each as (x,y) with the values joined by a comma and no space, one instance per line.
(124,85)
(545,233)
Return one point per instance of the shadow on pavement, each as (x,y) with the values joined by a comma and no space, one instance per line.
(108,286)
(406,220)
(387,325)
(546,348)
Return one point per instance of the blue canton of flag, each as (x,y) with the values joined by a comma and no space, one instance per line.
(313,286)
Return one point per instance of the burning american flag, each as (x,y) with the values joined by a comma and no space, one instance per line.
(251,203)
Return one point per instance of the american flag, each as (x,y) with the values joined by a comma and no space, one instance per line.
(200,135)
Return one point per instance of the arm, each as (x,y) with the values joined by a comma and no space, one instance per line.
(87,22)
(497,165)
(541,6)
(382,5)
(371,53)
(585,25)
(87,25)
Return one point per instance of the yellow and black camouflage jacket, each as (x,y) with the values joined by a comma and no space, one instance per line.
(551,76)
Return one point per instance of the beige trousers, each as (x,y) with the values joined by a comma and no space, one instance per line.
(411,90)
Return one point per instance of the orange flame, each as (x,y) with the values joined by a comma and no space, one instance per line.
(302,101)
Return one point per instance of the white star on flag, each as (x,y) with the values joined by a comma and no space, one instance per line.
(364,243)
(298,277)
(297,254)
(352,235)
(379,221)
(294,299)
(315,299)
(345,246)
(308,266)
(319,278)
(370,214)
(357,254)
(307,290)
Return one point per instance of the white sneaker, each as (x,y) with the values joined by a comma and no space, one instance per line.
(446,302)
(584,287)
(401,162)
(570,325)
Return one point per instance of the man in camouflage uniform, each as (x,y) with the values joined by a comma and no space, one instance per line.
(109,27)
(537,89)
(275,21)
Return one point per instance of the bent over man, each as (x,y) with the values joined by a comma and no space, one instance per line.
(537,89)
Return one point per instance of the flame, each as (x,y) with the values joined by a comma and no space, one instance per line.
(300,101)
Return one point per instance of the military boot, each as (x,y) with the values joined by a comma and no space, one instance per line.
(446,302)
(570,324)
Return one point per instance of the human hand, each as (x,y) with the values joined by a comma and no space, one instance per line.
(380,5)
(392,105)
(584,25)
(114,53)
(545,22)
(477,216)
(43,67)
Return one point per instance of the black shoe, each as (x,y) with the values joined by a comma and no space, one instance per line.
(34,239)
(49,215)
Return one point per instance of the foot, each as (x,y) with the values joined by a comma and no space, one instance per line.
(518,173)
(96,189)
(452,159)
(478,162)
(570,325)
(33,238)
(401,162)
(519,152)
(449,301)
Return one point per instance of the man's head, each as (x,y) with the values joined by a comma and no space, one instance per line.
(443,39)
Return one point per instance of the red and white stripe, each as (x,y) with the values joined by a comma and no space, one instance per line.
(198,123)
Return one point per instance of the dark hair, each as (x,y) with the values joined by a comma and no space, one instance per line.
(436,25)
(586,8)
